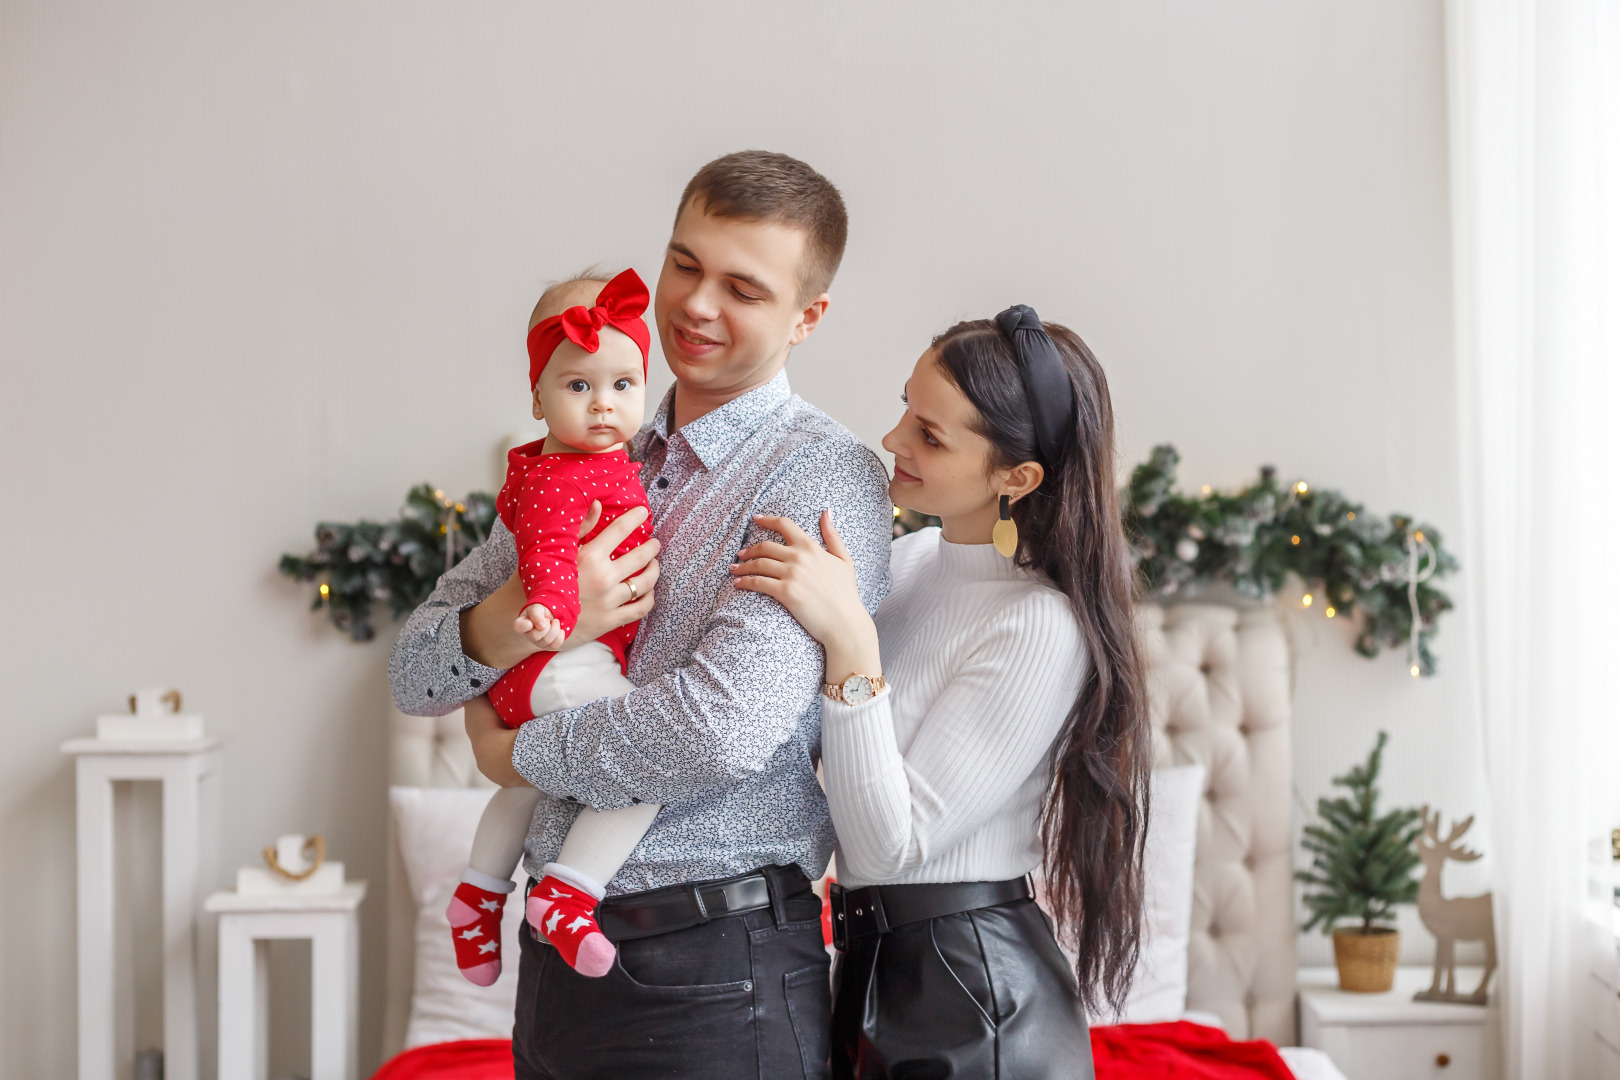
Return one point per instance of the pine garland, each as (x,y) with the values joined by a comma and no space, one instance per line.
(395,562)
(1363,862)
(1252,539)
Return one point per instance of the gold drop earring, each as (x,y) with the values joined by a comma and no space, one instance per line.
(1005,535)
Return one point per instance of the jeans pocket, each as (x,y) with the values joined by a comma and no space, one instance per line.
(809,1006)
(679,990)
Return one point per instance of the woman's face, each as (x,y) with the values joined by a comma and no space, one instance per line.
(941,465)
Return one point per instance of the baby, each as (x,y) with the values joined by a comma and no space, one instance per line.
(588,370)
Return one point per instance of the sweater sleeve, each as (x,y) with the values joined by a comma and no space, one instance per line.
(983,737)
(548,521)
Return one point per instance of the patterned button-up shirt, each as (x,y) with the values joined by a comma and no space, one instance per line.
(724,727)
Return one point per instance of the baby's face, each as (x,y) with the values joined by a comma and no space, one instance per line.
(593,401)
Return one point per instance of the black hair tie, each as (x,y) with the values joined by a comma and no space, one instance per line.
(1046,380)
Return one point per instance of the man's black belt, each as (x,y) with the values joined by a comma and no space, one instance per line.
(677,907)
(877,909)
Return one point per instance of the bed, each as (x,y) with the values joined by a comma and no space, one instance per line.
(1220,685)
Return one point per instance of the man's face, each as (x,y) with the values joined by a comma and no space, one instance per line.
(728,304)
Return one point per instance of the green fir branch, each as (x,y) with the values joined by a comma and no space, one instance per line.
(393,562)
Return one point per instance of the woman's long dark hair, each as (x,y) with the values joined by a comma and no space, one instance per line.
(1095,823)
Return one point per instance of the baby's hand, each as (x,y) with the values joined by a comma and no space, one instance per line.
(536,624)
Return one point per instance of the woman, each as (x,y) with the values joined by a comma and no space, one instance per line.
(991,720)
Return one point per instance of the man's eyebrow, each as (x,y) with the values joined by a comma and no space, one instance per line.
(736,275)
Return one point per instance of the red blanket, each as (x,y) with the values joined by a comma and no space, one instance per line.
(1181,1051)
(470,1059)
(1178,1051)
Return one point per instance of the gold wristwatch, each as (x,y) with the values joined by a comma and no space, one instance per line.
(855,689)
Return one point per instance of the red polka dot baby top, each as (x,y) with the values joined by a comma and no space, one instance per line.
(544,501)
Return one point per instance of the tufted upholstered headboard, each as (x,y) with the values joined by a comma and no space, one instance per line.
(1220,684)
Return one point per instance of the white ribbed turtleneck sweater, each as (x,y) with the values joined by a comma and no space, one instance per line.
(942,776)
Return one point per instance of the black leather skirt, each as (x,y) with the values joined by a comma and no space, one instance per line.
(979,994)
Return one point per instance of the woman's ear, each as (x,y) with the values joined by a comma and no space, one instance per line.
(539,409)
(1022,479)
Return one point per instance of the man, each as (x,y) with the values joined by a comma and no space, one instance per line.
(721,969)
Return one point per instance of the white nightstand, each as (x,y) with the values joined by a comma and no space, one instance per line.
(1390,1036)
(331,924)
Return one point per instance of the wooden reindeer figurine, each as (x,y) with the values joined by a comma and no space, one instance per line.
(1466,918)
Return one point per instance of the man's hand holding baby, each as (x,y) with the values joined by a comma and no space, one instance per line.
(543,630)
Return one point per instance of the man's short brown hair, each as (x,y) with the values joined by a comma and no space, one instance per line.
(757,185)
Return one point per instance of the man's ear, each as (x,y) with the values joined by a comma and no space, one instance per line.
(539,409)
(809,319)
(1022,479)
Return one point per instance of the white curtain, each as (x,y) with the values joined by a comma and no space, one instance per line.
(1535,155)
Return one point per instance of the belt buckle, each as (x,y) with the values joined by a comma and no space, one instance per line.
(840,926)
(874,909)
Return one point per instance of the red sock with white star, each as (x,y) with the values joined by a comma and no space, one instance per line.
(562,906)
(475,927)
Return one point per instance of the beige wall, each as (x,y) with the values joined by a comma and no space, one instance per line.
(265,264)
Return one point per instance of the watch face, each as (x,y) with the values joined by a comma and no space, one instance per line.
(857,688)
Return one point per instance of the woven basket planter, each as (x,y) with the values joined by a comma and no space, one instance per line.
(1366,961)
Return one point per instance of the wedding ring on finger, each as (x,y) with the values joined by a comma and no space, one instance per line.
(635,594)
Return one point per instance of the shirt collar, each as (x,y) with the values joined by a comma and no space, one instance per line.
(714,435)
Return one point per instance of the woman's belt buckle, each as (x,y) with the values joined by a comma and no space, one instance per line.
(856,913)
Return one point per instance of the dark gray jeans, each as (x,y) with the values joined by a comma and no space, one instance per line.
(744,997)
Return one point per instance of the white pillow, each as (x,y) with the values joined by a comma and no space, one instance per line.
(435,828)
(1159,987)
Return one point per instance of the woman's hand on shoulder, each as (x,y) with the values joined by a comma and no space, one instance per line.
(817,586)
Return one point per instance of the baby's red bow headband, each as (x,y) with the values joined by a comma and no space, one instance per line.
(619,305)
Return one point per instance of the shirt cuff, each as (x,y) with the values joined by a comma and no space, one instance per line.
(455,677)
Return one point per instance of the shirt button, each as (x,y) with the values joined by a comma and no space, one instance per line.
(663,481)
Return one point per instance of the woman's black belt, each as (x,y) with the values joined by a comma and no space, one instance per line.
(877,909)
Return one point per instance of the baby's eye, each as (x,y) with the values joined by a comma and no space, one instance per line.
(579,386)
(683,268)
(622,385)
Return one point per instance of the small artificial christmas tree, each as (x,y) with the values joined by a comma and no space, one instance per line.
(1364,862)
(1362,867)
